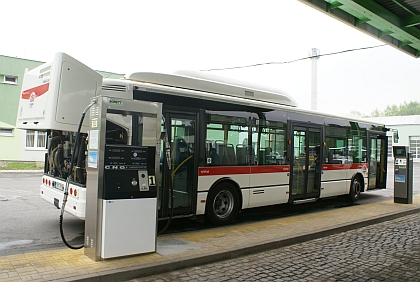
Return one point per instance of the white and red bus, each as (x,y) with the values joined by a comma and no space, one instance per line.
(234,145)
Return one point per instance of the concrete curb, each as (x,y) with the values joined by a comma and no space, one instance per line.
(21,171)
(231,253)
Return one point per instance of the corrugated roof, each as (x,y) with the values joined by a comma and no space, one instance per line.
(402,8)
(395,22)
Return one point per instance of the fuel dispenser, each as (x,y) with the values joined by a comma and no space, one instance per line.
(121,189)
(403,175)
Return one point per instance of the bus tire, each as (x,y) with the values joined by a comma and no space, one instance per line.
(355,189)
(222,204)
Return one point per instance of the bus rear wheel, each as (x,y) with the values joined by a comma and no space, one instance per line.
(222,204)
(355,189)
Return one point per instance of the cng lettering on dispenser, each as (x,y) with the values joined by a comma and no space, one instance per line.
(121,192)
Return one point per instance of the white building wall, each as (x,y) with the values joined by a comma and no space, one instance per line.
(408,128)
(30,154)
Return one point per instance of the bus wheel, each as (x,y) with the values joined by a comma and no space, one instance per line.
(222,204)
(355,188)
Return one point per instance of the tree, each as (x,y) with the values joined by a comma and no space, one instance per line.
(356,113)
(391,111)
(405,109)
(376,113)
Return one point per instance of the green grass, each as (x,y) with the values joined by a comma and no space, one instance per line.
(20,166)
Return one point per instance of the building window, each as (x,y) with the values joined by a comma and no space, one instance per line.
(6,132)
(35,139)
(389,146)
(10,79)
(415,146)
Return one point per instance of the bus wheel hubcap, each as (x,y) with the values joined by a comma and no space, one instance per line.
(356,185)
(223,204)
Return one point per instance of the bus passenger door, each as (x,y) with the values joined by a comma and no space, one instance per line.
(305,181)
(183,177)
(377,161)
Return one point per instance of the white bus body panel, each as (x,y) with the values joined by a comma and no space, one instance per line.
(75,206)
(334,182)
(55,94)
(257,188)
(214,84)
(275,192)
(266,196)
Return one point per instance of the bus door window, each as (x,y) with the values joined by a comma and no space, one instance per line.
(372,163)
(314,168)
(306,162)
(382,162)
(377,162)
(182,160)
(299,161)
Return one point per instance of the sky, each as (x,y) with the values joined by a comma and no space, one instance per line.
(164,36)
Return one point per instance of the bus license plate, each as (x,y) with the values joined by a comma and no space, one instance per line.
(57,203)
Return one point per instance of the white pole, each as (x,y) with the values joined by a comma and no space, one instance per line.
(314,58)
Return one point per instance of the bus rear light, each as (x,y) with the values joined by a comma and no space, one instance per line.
(42,192)
(75,192)
(71,191)
(74,207)
(203,201)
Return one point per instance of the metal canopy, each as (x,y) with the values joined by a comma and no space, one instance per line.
(395,22)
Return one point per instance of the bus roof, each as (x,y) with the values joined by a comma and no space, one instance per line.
(201,81)
(165,88)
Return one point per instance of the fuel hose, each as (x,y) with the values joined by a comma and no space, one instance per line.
(69,178)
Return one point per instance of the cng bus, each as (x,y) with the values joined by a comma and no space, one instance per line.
(233,145)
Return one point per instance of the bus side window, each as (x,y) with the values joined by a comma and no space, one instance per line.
(337,150)
(242,154)
(272,144)
(214,157)
(226,140)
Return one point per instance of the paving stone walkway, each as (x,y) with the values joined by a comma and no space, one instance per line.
(388,251)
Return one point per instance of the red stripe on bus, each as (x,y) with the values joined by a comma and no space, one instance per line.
(229,170)
(343,166)
(270,169)
(38,90)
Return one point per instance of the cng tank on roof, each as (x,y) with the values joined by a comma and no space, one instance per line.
(55,94)
(195,80)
